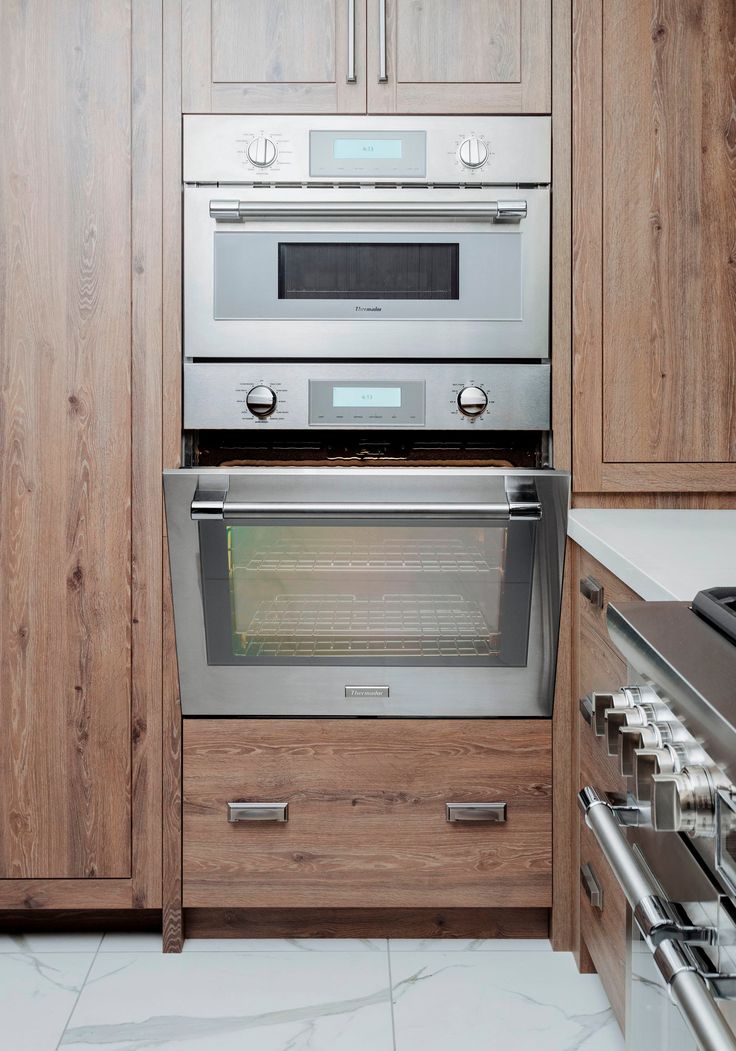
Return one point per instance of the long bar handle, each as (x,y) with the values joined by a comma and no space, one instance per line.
(457,813)
(690,992)
(278,812)
(493,211)
(382,64)
(351,78)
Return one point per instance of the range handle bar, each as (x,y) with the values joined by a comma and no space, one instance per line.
(492,212)
(205,508)
(689,991)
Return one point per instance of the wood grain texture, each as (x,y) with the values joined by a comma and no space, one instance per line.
(367,820)
(465,42)
(669,216)
(696,501)
(563,771)
(270,56)
(508,59)
(173,935)
(65,447)
(41,894)
(654,305)
(146,402)
(614,590)
(561,348)
(367,923)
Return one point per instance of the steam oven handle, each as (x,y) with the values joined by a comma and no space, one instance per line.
(492,212)
(206,509)
(351,42)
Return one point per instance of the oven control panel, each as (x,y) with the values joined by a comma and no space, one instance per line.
(304,395)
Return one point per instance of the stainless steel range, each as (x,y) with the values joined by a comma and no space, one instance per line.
(366,523)
(672,845)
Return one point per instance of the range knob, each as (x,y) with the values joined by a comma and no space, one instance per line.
(668,758)
(651,736)
(473,152)
(637,715)
(261,401)
(262,152)
(472,401)
(684,801)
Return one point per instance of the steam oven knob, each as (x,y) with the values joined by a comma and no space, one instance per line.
(685,801)
(473,152)
(262,152)
(472,401)
(261,401)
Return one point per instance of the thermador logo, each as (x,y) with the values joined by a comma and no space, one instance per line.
(366,691)
(368,310)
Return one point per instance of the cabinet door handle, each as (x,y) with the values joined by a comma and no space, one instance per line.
(591,886)
(383,69)
(593,591)
(467,812)
(257,812)
(586,708)
(351,42)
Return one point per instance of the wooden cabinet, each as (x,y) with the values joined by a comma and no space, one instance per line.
(654,276)
(408,56)
(366,823)
(79,802)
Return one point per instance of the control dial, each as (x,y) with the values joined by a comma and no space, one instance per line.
(684,801)
(262,152)
(473,152)
(472,401)
(261,401)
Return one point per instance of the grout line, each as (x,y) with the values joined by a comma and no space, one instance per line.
(391,991)
(81,990)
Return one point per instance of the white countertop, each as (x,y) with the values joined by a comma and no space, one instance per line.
(660,554)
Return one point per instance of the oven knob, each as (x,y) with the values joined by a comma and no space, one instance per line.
(473,152)
(472,401)
(262,152)
(649,737)
(261,401)
(684,801)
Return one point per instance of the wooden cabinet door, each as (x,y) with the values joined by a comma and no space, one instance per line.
(273,56)
(459,56)
(65,442)
(654,186)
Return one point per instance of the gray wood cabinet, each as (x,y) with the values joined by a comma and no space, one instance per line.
(357,56)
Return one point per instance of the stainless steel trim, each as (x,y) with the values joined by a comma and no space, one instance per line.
(257,812)
(457,813)
(383,68)
(591,886)
(593,591)
(690,992)
(351,78)
(232,211)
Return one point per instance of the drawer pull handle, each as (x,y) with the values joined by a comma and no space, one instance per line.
(257,812)
(586,708)
(591,886)
(462,812)
(593,591)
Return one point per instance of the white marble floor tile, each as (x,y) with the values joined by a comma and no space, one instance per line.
(37,995)
(260,1001)
(470,945)
(285,945)
(34,943)
(486,1001)
(132,941)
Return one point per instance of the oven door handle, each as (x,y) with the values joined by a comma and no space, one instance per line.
(492,212)
(204,508)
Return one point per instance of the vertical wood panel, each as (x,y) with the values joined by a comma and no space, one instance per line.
(65,454)
(147,501)
(194,54)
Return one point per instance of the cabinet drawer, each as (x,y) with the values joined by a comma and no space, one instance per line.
(604,587)
(603,925)
(367,821)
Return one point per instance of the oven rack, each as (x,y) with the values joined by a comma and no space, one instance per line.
(403,556)
(344,626)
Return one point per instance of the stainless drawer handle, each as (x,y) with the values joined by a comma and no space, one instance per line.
(257,812)
(586,708)
(462,812)
(382,64)
(593,591)
(351,42)
(591,886)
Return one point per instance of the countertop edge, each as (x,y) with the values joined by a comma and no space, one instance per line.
(618,563)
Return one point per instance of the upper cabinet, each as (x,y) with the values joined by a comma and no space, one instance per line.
(459,56)
(654,283)
(357,56)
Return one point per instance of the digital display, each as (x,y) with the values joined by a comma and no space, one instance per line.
(367,149)
(366,397)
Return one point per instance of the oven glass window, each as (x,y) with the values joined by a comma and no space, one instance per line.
(322,270)
(367,594)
